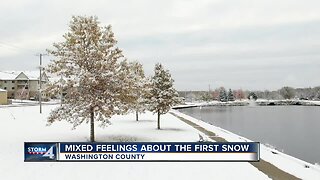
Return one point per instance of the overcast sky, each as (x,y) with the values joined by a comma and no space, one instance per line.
(249,44)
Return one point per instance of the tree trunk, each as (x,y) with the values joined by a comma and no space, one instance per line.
(158,120)
(137,116)
(91,125)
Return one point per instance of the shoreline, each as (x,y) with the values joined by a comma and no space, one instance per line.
(259,102)
(274,163)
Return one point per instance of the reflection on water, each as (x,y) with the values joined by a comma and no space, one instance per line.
(252,103)
(293,129)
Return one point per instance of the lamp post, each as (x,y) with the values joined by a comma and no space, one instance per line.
(40,83)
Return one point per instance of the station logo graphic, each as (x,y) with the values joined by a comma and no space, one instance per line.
(40,152)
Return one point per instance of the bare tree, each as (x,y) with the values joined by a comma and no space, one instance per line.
(287,92)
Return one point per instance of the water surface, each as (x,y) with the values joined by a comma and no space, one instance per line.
(293,129)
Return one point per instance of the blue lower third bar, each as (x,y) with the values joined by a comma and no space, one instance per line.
(157,151)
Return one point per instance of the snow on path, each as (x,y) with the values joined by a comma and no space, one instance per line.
(20,124)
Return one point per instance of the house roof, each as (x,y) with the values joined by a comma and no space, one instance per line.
(2,90)
(13,75)
(7,75)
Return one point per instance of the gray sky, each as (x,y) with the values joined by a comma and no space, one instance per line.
(249,44)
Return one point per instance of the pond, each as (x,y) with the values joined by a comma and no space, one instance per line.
(295,130)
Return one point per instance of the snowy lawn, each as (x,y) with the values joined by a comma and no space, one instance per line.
(21,124)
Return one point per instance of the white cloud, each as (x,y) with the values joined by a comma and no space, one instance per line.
(183,34)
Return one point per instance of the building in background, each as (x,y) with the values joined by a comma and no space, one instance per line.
(3,97)
(22,84)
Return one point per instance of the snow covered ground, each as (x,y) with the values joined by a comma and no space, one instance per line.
(292,165)
(246,102)
(18,103)
(21,124)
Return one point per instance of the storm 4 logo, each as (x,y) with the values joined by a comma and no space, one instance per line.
(40,151)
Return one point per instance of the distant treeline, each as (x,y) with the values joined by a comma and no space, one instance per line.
(221,94)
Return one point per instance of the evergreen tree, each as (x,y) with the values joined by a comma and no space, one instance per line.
(252,95)
(230,95)
(223,95)
(163,95)
(95,72)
